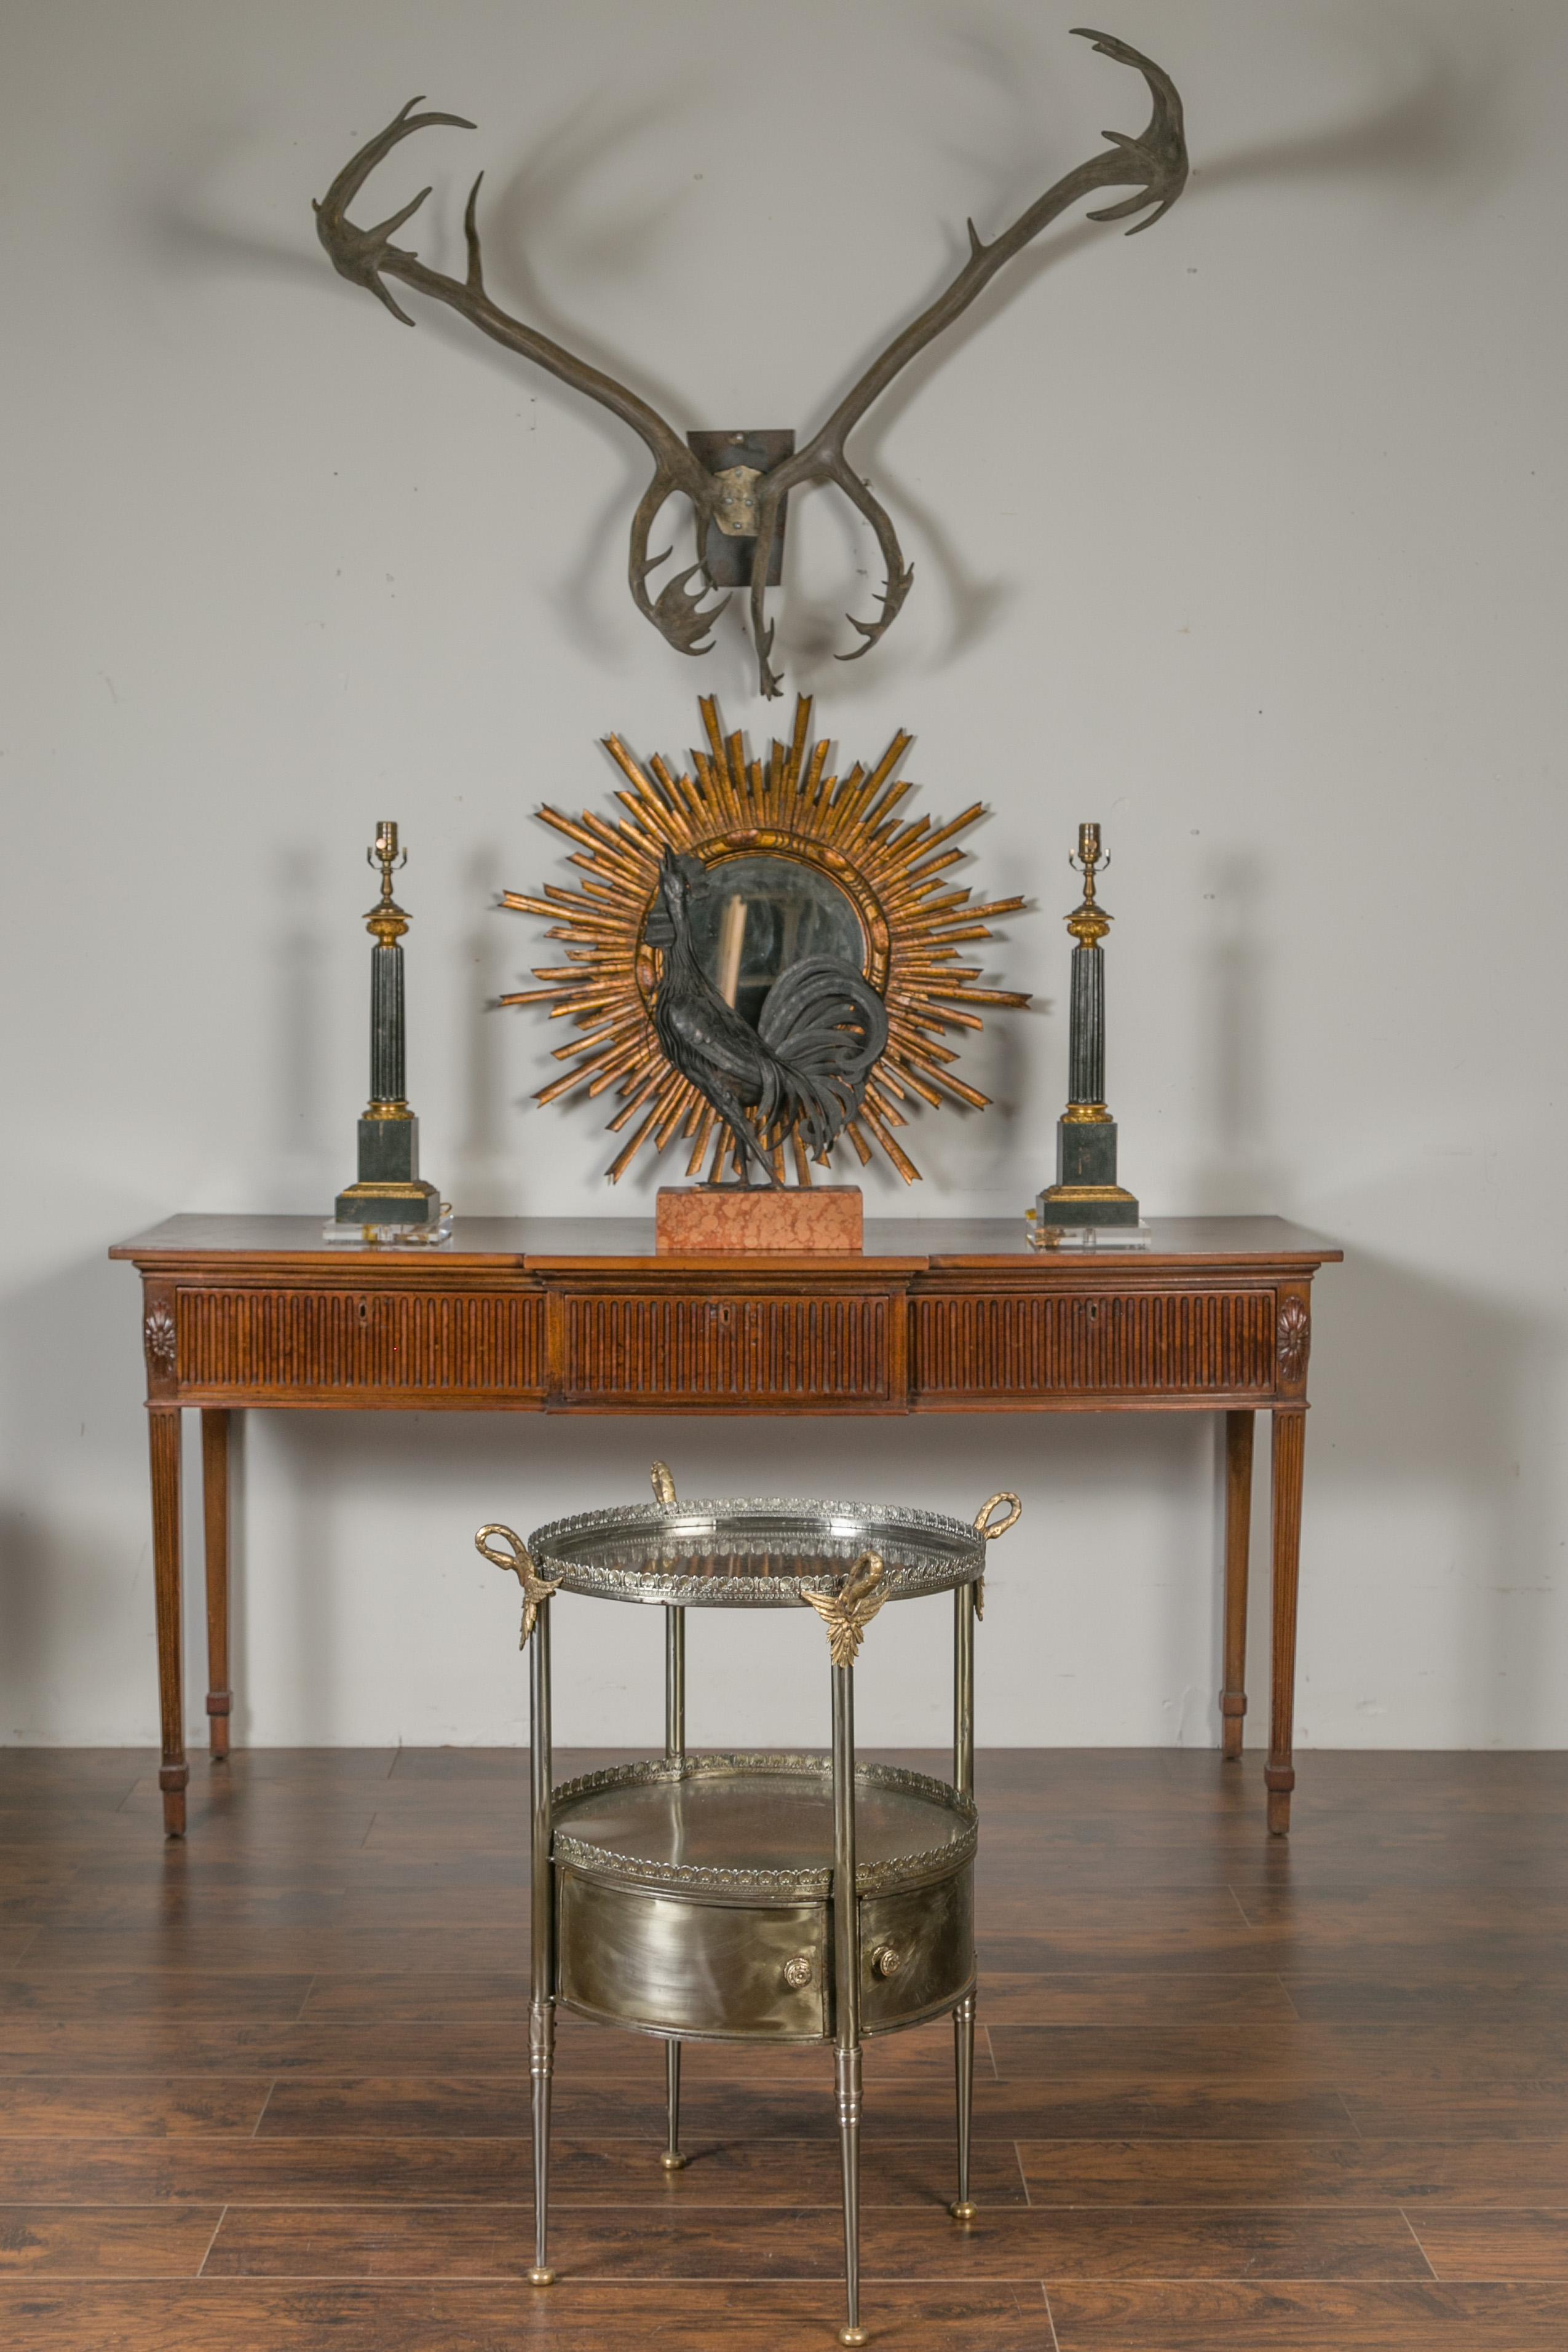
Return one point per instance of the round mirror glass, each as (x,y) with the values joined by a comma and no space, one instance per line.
(756,915)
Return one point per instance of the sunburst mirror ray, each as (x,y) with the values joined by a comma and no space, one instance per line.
(887,874)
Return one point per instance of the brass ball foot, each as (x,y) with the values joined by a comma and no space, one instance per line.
(540,2278)
(965,2212)
(672,2161)
(853,2336)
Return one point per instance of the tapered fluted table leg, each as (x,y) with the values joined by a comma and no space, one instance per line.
(164,1442)
(1238,1428)
(215,1512)
(1279,1773)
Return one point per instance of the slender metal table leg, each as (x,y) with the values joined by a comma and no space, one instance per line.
(674,1753)
(672,2159)
(847,2072)
(964,1690)
(675,1685)
(542,2003)
(962,2208)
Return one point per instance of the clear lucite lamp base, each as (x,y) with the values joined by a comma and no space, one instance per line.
(391,1236)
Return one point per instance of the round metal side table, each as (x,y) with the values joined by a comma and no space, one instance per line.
(702,1897)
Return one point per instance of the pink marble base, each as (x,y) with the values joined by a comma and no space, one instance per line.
(698,1222)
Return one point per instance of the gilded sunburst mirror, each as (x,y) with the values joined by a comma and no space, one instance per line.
(786,866)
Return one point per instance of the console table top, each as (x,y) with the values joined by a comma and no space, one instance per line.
(900,1243)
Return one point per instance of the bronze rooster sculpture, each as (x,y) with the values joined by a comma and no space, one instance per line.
(804,1068)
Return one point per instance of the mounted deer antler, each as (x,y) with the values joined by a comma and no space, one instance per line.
(1154,166)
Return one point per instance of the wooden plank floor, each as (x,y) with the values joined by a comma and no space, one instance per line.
(268,2090)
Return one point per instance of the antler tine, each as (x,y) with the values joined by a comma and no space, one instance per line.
(476,277)
(1162,152)
(899,576)
(1155,162)
(360,254)
(678,612)
(364,256)
(768,500)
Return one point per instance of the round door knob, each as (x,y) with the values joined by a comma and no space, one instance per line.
(886,1962)
(798,1972)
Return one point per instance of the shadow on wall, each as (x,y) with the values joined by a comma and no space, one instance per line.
(1442,120)
(299,1114)
(1422,1384)
(75,1536)
(1234,1025)
(484,1175)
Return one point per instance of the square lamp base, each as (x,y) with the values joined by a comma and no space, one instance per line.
(388,1204)
(1086,1191)
(1086,1204)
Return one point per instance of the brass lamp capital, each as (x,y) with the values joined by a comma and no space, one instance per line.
(386,922)
(1088,922)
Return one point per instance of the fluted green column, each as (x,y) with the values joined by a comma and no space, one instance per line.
(388,1190)
(1086,1191)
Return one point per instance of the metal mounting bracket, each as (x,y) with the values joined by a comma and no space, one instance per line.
(738,461)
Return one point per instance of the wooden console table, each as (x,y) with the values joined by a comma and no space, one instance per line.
(555,1315)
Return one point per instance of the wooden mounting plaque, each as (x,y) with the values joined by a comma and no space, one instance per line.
(698,1220)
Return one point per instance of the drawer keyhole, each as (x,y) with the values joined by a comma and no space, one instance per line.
(364,1310)
(723,1315)
(1093,1310)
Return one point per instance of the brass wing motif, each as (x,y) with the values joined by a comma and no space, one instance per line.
(663,1483)
(849,1612)
(509,1551)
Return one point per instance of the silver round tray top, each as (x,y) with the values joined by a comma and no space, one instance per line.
(768,1553)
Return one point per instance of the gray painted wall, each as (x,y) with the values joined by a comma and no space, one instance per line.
(1245,537)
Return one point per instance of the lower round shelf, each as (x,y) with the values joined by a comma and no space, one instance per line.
(695,1899)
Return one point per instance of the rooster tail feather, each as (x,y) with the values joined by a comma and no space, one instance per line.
(826,1011)
(823,1028)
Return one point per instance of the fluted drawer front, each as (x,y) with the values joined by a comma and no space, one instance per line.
(440,1342)
(1149,1343)
(733,1345)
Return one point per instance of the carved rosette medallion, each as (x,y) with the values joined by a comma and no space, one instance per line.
(1293,1338)
(162,1341)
